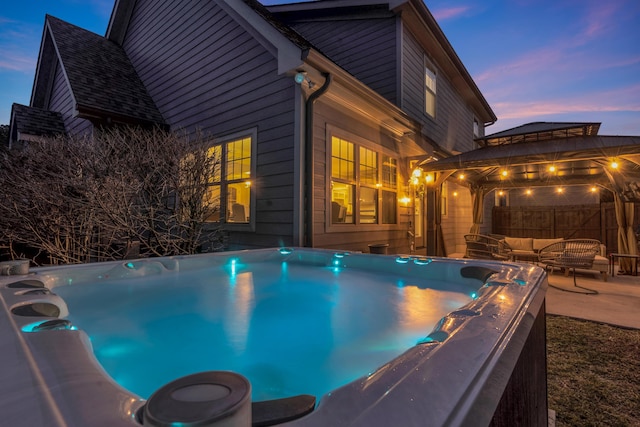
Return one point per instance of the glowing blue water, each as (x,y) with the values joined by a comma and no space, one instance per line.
(289,329)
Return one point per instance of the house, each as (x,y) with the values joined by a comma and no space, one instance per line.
(320,110)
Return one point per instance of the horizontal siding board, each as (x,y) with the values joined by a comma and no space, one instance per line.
(204,71)
(365,48)
(61,100)
(452,128)
(280,182)
(275,204)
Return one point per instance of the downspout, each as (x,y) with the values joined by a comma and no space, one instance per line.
(308,154)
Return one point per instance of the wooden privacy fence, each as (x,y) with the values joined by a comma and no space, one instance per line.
(569,222)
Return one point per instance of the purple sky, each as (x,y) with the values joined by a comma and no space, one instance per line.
(534,60)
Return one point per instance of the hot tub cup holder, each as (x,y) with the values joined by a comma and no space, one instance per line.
(26,284)
(49,325)
(37,309)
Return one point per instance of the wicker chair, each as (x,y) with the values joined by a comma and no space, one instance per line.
(480,246)
(570,254)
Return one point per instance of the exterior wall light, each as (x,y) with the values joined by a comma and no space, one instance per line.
(301,77)
(614,164)
(504,173)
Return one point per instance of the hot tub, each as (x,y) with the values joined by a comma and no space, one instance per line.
(378,340)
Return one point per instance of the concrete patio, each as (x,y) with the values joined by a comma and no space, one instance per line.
(617,301)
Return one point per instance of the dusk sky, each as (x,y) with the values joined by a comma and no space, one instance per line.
(534,60)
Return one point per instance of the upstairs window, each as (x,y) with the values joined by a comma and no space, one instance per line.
(430,91)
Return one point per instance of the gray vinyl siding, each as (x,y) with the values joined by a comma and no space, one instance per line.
(62,102)
(366,48)
(356,237)
(204,71)
(452,127)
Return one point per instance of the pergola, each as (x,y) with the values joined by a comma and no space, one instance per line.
(549,154)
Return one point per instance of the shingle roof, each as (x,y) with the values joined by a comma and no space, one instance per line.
(102,78)
(36,121)
(287,31)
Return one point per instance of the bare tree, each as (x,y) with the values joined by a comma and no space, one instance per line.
(99,197)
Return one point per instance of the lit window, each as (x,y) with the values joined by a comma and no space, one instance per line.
(368,186)
(430,91)
(375,184)
(234,190)
(389,192)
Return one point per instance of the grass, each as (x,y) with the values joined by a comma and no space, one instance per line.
(593,373)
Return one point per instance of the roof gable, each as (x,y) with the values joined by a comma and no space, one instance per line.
(29,123)
(283,42)
(101,78)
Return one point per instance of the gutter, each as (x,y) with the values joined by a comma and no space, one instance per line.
(308,154)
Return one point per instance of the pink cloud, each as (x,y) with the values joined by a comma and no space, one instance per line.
(600,17)
(626,99)
(448,13)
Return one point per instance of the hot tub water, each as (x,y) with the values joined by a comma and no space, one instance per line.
(289,328)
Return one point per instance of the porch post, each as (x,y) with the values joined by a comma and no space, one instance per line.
(477,199)
(627,243)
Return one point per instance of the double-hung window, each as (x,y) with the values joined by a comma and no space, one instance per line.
(429,90)
(363,184)
(230,186)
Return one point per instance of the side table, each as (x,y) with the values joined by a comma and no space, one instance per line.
(612,259)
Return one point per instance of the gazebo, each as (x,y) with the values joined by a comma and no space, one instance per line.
(548,154)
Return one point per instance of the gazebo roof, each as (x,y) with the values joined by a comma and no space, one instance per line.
(578,159)
(540,131)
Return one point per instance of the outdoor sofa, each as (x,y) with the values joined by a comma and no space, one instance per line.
(520,249)
(527,248)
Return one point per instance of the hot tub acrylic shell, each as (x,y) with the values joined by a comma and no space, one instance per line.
(455,377)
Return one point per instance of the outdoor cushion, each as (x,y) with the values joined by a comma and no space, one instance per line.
(520,243)
(541,243)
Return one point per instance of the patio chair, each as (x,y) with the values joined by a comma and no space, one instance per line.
(570,254)
(480,246)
